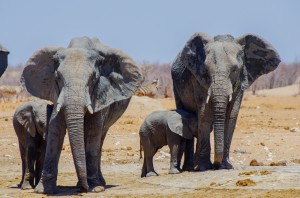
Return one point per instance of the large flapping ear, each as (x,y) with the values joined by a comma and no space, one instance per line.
(120,77)
(25,117)
(38,75)
(193,55)
(176,125)
(260,57)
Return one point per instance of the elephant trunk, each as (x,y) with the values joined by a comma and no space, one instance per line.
(220,98)
(74,115)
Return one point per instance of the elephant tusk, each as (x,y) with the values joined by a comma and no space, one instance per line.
(90,109)
(207,99)
(58,107)
(230,97)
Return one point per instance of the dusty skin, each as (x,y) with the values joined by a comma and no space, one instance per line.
(264,133)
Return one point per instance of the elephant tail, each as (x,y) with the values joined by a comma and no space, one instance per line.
(141,149)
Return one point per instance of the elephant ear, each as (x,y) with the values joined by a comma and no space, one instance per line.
(3,59)
(26,118)
(120,77)
(38,75)
(260,57)
(176,125)
(193,56)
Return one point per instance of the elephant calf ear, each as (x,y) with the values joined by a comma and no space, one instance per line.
(38,75)
(175,124)
(260,56)
(25,117)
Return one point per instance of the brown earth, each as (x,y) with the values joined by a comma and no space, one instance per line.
(263,133)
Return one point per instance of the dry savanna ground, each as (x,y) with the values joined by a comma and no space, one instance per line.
(267,131)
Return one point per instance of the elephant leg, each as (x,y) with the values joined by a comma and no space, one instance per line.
(189,155)
(23,156)
(93,141)
(228,137)
(174,149)
(180,153)
(203,149)
(30,158)
(149,152)
(40,161)
(55,138)
(229,129)
(101,178)
(144,168)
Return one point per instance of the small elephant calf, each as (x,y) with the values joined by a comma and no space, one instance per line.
(30,123)
(162,128)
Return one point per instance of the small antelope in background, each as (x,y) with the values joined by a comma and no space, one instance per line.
(149,90)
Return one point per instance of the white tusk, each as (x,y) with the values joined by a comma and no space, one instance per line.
(230,97)
(58,107)
(90,109)
(207,99)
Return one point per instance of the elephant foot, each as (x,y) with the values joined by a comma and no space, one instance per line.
(26,185)
(188,167)
(174,171)
(43,189)
(203,165)
(152,173)
(226,165)
(96,189)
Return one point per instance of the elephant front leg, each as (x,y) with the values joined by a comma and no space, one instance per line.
(56,134)
(229,129)
(174,169)
(189,156)
(30,158)
(228,137)
(93,145)
(203,149)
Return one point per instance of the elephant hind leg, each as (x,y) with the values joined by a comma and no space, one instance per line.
(149,152)
(22,154)
(144,169)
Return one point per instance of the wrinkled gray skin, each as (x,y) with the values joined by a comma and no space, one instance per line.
(162,128)
(3,59)
(30,122)
(90,85)
(210,76)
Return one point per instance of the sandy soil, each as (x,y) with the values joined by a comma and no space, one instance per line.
(264,132)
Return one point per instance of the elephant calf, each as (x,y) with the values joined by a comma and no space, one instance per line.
(162,128)
(30,123)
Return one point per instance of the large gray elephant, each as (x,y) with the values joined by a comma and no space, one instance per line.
(3,59)
(162,128)
(30,122)
(210,76)
(90,85)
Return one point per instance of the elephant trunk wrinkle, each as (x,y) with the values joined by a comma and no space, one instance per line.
(75,121)
(220,108)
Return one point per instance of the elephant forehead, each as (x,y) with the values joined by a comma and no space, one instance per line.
(222,51)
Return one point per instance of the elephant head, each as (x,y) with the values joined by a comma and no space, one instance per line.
(3,59)
(224,66)
(33,116)
(81,79)
(183,123)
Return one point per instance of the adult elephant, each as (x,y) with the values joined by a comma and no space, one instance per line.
(90,85)
(3,59)
(210,76)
